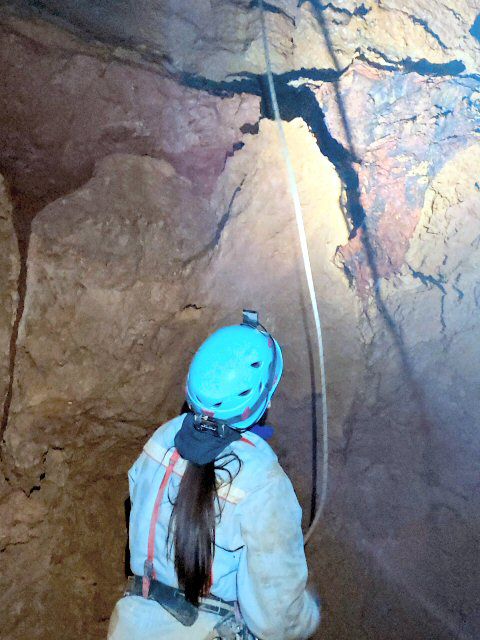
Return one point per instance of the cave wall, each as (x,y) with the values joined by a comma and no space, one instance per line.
(303,33)
(151,205)
(9,270)
(104,103)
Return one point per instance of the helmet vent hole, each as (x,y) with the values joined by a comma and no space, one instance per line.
(256,365)
(245,393)
(217,404)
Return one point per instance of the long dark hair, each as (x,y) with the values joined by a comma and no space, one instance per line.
(193,522)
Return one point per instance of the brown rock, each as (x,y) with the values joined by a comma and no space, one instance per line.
(9,271)
(258,265)
(114,311)
(110,265)
(444,253)
(389,33)
(108,296)
(217,40)
(89,104)
(425,439)
(19,515)
(397,131)
(128,274)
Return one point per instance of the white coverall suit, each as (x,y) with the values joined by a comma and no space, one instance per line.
(259,557)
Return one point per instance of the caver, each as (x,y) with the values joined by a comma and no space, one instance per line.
(215,528)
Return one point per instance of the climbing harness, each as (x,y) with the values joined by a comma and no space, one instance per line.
(173,600)
(308,269)
(230,627)
(148,569)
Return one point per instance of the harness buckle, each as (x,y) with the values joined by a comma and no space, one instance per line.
(130,586)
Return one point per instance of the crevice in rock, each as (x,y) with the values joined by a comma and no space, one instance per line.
(442,313)
(475,29)
(457,289)
(251,83)
(358,11)
(426,68)
(376,65)
(431,281)
(428,29)
(300,102)
(24,211)
(37,486)
(193,306)
(422,66)
(428,279)
(224,219)
(236,147)
(297,102)
(271,8)
(211,246)
(250,128)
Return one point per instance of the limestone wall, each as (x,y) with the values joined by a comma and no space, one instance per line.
(143,140)
(303,33)
(9,271)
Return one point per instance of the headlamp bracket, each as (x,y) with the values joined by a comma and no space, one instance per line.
(250,318)
(204,423)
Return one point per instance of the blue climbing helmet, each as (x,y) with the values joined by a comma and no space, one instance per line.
(234,374)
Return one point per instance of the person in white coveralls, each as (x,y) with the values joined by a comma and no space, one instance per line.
(216,544)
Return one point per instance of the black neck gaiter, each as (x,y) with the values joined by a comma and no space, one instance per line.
(201,447)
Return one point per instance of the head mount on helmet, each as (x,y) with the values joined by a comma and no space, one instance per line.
(233,376)
(250,318)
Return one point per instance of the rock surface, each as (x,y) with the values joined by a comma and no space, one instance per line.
(108,267)
(258,256)
(115,290)
(105,297)
(258,263)
(9,271)
(418,491)
(402,129)
(168,211)
(91,103)
(216,40)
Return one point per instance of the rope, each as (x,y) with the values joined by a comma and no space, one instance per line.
(308,271)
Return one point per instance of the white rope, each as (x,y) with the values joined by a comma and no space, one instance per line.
(308,272)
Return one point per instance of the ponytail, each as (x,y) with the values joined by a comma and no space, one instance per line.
(194,532)
(193,523)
